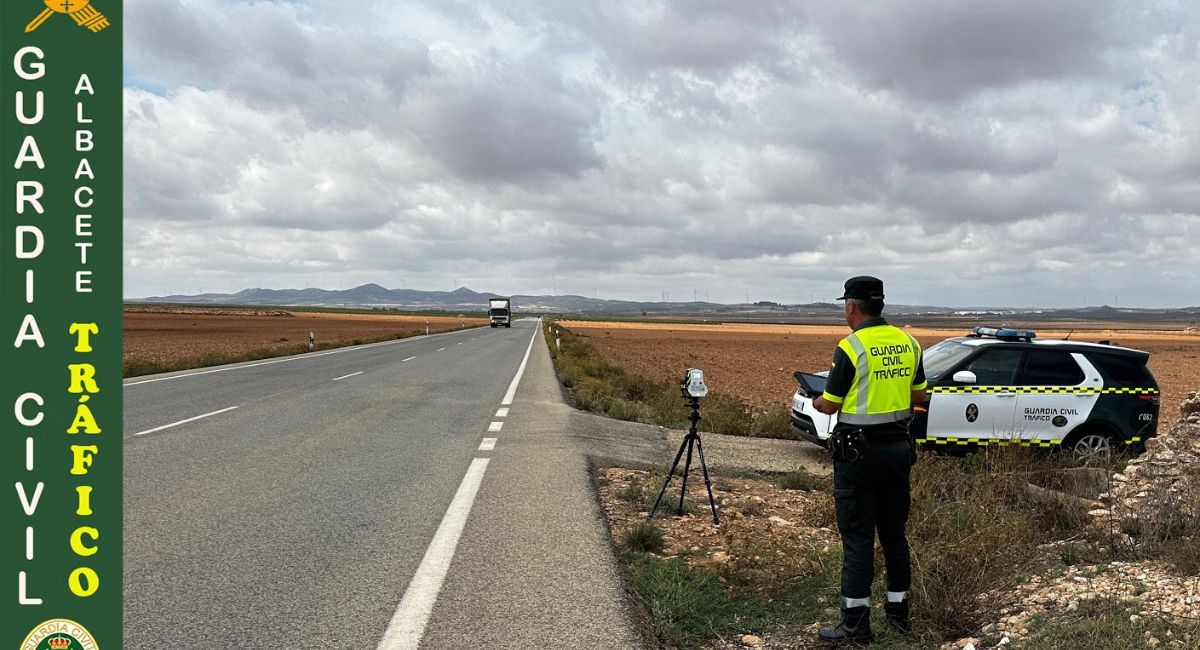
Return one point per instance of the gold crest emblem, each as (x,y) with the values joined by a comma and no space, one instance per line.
(82,11)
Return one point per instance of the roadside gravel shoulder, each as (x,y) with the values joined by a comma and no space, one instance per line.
(760,454)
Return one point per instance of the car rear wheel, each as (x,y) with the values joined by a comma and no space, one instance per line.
(1091,448)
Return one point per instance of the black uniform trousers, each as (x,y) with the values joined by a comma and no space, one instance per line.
(871,496)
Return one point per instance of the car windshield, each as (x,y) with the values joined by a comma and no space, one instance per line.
(942,357)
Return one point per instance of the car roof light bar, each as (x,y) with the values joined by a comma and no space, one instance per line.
(1004,333)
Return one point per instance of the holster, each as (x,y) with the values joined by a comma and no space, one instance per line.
(848,444)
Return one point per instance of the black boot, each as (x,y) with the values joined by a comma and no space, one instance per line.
(897,615)
(855,628)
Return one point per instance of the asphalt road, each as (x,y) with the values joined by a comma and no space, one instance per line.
(354,499)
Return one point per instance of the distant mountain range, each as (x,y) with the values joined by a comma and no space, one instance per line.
(461,299)
(376,296)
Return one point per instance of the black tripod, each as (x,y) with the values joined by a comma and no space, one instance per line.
(692,439)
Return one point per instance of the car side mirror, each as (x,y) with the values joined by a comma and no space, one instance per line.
(965,377)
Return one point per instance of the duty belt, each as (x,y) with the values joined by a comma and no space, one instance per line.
(867,419)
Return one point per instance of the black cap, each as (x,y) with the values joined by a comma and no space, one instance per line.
(863,287)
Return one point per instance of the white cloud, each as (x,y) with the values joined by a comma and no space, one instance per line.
(967,152)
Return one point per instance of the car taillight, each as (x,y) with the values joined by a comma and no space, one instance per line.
(1153,399)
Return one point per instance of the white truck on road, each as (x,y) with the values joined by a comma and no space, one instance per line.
(500,312)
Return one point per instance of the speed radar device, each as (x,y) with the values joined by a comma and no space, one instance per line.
(693,384)
(500,312)
(693,389)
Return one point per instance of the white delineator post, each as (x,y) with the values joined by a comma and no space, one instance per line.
(312,341)
(426,328)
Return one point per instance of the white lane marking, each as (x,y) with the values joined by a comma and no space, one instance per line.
(441,349)
(296,357)
(488,444)
(502,412)
(407,626)
(175,424)
(495,426)
(459,343)
(347,376)
(512,388)
(408,359)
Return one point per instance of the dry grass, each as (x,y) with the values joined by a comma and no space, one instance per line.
(601,387)
(972,530)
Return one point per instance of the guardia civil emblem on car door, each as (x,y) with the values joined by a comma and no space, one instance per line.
(972,412)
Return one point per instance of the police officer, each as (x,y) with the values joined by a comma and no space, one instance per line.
(876,379)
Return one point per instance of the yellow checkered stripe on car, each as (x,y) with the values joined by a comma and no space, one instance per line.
(1000,442)
(1075,390)
(983,442)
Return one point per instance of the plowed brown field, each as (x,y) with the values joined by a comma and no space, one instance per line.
(173,335)
(756,361)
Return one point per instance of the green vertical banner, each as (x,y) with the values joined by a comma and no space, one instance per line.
(60,325)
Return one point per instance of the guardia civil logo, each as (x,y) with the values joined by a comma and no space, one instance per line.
(59,634)
(82,11)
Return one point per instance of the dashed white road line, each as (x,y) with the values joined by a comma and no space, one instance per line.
(408,359)
(495,426)
(441,349)
(175,424)
(488,444)
(353,374)
(502,412)
(407,626)
(459,343)
(512,388)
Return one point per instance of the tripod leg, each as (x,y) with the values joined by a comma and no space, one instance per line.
(667,482)
(687,466)
(707,482)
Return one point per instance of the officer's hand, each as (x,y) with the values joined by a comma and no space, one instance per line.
(825,406)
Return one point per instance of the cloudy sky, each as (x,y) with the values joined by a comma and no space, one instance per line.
(969,152)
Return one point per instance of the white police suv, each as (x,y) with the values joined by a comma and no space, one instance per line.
(1008,387)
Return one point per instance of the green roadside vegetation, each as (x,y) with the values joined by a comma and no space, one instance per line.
(690,606)
(603,388)
(1105,624)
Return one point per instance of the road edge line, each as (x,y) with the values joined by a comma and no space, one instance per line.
(512,388)
(407,627)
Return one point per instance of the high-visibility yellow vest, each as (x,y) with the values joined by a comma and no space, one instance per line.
(885,360)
